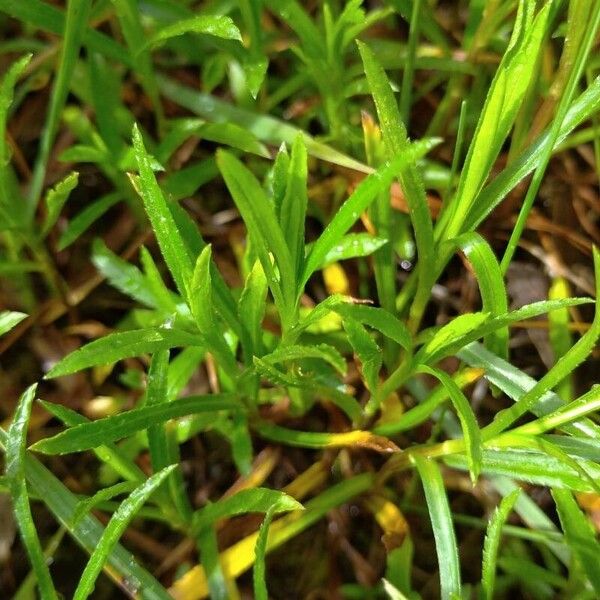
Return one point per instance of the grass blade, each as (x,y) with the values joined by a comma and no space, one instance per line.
(15,473)
(397,143)
(492,543)
(75,25)
(579,533)
(468,421)
(10,319)
(95,433)
(293,206)
(264,230)
(258,573)
(253,500)
(56,198)
(491,286)
(443,529)
(63,503)
(168,237)
(217,25)
(115,528)
(117,346)
(565,365)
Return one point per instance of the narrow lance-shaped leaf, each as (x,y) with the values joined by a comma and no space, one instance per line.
(163,224)
(580,534)
(56,198)
(216,25)
(94,433)
(15,473)
(10,319)
(258,575)
(116,346)
(114,530)
(245,501)
(492,543)
(293,205)
(7,85)
(467,418)
(251,308)
(565,365)
(201,305)
(443,529)
(62,504)
(75,25)
(264,230)
(364,194)
(396,140)
(491,286)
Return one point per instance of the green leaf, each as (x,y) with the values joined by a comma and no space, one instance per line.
(292,213)
(456,329)
(15,473)
(397,143)
(7,85)
(447,343)
(89,215)
(565,365)
(352,245)
(62,503)
(491,286)
(443,529)
(116,346)
(263,229)
(10,319)
(266,128)
(167,234)
(293,352)
(535,467)
(156,393)
(201,305)
(379,319)
(492,543)
(215,25)
(468,421)
(579,533)
(75,26)
(251,307)
(110,454)
(86,506)
(253,500)
(115,529)
(258,574)
(350,211)
(129,15)
(368,352)
(515,384)
(95,433)
(126,277)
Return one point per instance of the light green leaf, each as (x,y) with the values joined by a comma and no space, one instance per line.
(491,286)
(95,433)
(10,319)
(468,421)
(16,477)
(167,234)
(492,543)
(215,25)
(443,529)
(114,530)
(56,198)
(253,500)
(579,533)
(116,346)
